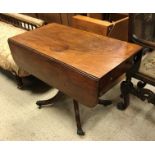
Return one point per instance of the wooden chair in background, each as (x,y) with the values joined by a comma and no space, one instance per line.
(141,31)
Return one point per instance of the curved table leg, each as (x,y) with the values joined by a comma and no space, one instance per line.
(77,117)
(50,101)
(105,102)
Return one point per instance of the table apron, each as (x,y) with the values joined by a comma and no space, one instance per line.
(73,83)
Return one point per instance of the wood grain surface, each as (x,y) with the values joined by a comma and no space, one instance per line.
(85,51)
(74,61)
(89,24)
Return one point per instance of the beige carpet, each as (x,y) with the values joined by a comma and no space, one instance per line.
(20,119)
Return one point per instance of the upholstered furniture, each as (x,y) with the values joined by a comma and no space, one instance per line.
(11,25)
(81,64)
(147,66)
(141,31)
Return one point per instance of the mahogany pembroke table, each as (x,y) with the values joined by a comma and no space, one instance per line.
(81,64)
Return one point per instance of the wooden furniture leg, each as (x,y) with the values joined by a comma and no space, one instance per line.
(50,101)
(77,117)
(141,84)
(19,81)
(125,94)
(126,87)
(105,102)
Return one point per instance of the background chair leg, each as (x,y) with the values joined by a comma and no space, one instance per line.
(125,88)
(19,81)
(141,84)
(77,117)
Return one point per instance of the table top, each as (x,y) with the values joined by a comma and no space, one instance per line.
(93,54)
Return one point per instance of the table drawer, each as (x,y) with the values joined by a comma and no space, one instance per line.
(113,77)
